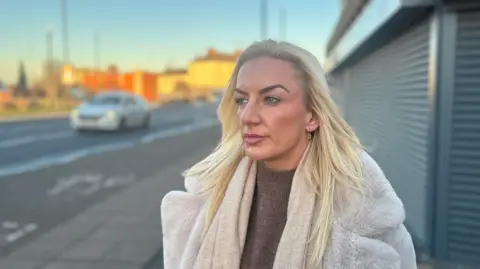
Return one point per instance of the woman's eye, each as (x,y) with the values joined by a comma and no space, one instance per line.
(241,101)
(272,100)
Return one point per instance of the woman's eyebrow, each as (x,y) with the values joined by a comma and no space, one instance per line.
(264,90)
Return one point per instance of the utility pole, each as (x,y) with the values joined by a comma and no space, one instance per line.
(263,19)
(49,42)
(66,54)
(283,24)
(50,83)
(96,48)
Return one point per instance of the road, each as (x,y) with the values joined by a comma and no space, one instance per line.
(35,144)
(36,200)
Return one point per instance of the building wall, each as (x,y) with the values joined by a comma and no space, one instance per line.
(210,74)
(91,82)
(145,84)
(128,82)
(68,75)
(150,87)
(5,95)
(167,83)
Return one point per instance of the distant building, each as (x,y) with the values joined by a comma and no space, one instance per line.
(407,77)
(5,93)
(211,71)
(69,76)
(172,80)
(94,80)
(141,83)
(203,75)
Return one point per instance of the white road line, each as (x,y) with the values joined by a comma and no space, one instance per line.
(20,141)
(21,232)
(79,185)
(9,225)
(94,150)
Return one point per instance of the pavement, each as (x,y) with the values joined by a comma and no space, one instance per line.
(20,118)
(112,228)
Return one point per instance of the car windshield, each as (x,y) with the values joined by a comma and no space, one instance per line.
(106,100)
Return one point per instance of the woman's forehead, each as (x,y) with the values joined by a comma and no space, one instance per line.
(263,72)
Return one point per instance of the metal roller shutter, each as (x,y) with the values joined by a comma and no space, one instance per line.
(388,108)
(463,227)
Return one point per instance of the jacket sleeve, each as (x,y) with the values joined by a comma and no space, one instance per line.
(400,240)
(381,220)
(179,216)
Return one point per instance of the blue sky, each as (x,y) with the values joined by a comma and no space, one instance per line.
(151,34)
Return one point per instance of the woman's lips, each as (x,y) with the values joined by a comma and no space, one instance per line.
(251,139)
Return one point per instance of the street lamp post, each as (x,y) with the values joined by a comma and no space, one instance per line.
(283,24)
(49,47)
(264,19)
(65,32)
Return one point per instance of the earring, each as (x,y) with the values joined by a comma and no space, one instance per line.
(309,133)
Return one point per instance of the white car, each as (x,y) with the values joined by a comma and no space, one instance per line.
(111,111)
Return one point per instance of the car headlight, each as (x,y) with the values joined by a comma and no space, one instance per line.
(110,115)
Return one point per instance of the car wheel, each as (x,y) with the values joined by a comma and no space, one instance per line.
(146,122)
(80,131)
(122,125)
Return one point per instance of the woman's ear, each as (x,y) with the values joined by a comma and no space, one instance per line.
(312,123)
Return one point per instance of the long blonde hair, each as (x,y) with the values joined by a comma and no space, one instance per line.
(331,157)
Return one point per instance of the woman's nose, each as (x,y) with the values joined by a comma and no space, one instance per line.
(250,114)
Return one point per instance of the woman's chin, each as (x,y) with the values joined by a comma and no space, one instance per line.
(257,153)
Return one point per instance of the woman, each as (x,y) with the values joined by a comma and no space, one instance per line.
(289,186)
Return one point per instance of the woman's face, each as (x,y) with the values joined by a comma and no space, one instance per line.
(271,108)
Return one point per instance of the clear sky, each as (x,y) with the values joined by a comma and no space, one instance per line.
(151,34)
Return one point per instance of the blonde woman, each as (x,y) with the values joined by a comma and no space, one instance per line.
(289,186)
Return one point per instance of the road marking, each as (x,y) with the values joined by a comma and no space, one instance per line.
(9,225)
(86,184)
(13,231)
(95,150)
(12,237)
(31,227)
(72,183)
(117,181)
(21,141)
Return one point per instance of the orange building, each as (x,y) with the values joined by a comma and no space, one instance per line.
(140,83)
(111,78)
(126,82)
(93,80)
(5,96)
(146,85)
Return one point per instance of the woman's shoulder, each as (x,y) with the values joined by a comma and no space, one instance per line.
(191,195)
(377,209)
(182,222)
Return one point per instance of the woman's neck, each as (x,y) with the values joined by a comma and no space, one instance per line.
(288,161)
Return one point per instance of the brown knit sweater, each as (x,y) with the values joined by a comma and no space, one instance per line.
(268,216)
